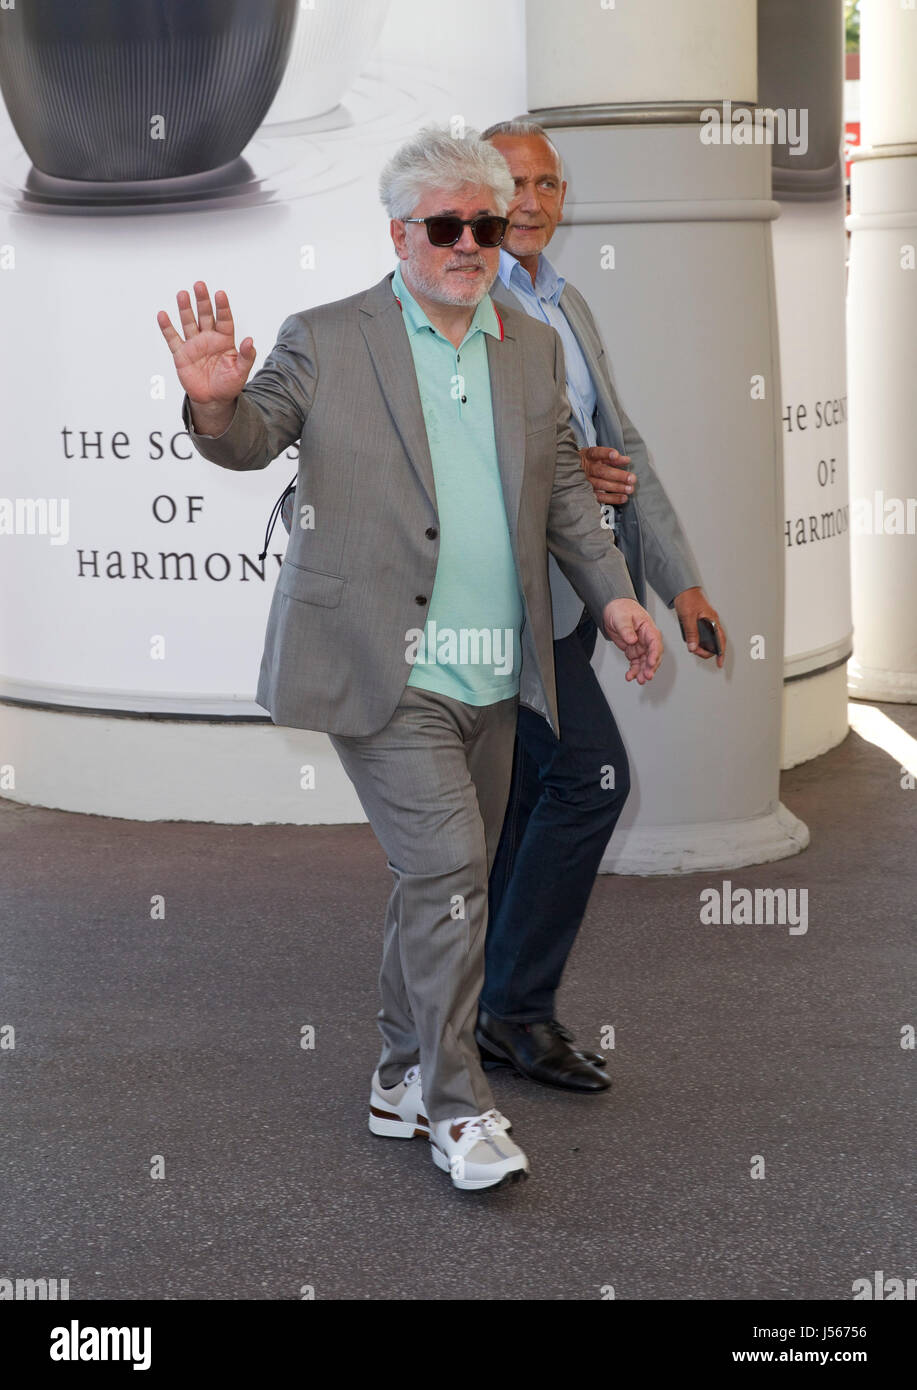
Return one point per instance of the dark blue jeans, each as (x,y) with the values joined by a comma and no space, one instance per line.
(559,819)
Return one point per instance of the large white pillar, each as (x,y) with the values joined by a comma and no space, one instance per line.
(801,78)
(882,357)
(689,320)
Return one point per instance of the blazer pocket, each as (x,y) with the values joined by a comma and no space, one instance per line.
(311,586)
(542,428)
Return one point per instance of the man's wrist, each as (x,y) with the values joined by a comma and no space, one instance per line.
(690,589)
(212,420)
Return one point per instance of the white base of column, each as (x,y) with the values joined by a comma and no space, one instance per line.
(691,849)
(872,683)
(232,773)
(227,772)
(814,716)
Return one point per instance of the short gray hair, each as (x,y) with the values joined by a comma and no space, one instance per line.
(522,127)
(436,159)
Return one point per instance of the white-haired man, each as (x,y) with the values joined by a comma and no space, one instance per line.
(562,810)
(437,461)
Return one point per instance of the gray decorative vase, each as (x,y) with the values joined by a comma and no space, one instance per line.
(89,83)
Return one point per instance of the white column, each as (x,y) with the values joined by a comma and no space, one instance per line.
(882,357)
(800,72)
(689,319)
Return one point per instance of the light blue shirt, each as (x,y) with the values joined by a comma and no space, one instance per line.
(469,647)
(542,301)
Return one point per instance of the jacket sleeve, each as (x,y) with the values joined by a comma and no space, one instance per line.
(273,407)
(582,547)
(670,565)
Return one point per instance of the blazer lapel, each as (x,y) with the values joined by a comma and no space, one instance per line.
(393,363)
(504,360)
(580,329)
(628,535)
(611,432)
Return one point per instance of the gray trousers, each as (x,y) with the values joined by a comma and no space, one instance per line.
(434,785)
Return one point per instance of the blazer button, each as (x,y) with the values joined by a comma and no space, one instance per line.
(421,599)
(431,533)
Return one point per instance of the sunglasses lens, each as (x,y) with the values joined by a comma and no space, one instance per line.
(444,231)
(488,231)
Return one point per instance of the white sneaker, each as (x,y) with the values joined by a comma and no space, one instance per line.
(476,1151)
(397,1112)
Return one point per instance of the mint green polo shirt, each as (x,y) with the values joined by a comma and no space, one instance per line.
(469,648)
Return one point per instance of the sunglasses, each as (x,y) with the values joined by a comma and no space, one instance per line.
(446,231)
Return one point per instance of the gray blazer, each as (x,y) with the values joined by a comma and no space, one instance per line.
(341,379)
(647,530)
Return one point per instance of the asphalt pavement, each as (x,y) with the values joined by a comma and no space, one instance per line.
(166,1135)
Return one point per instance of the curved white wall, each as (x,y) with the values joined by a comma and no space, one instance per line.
(882,359)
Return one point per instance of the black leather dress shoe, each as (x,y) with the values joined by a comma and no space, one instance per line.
(538,1051)
(596,1058)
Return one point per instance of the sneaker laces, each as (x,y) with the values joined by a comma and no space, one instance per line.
(481,1126)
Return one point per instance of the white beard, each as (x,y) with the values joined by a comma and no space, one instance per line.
(435,290)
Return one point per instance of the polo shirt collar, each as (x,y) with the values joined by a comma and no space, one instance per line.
(485,320)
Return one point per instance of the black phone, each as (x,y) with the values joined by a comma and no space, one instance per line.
(707,636)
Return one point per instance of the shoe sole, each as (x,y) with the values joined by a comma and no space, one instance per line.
(490,1060)
(477,1184)
(391,1126)
(491,1063)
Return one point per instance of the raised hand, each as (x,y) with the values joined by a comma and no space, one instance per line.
(210,368)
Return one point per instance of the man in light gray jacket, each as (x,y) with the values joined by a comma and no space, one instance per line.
(437,469)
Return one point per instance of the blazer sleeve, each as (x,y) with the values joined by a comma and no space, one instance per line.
(273,406)
(582,547)
(670,565)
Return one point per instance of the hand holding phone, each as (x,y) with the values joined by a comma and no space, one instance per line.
(708,637)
